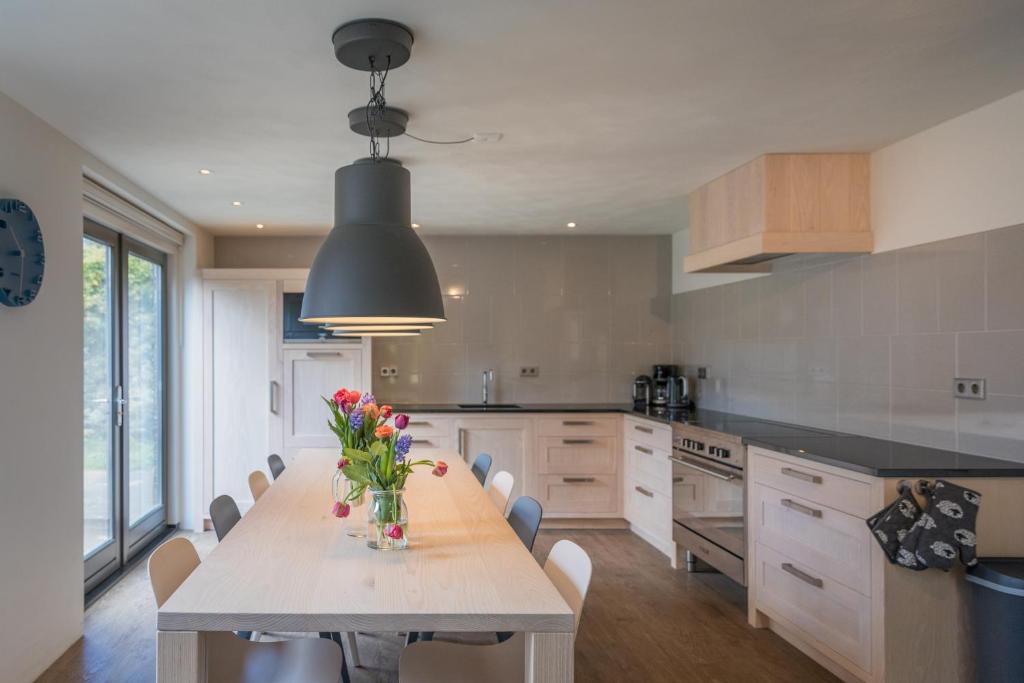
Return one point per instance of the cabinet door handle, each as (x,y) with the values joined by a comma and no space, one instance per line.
(793,505)
(273,397)
(420,441)
(576,442)
(643,492)
(678,480)
(648,451)
(578,480)
(803,576)
(645,430)
(462,442)
(323,354)
(418,423)
(576,423)
(803,476)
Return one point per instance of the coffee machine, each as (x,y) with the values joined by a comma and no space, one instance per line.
(661,386)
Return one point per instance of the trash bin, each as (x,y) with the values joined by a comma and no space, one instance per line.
(997,592)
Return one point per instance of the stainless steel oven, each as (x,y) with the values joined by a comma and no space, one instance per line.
(708,499)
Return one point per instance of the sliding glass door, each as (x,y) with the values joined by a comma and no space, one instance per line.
(125,350)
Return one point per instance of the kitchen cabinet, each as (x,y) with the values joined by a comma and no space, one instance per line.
(577,466)
(311,372)
(818,578)
(241,385)
(647,482)
(507,439)
(780,204)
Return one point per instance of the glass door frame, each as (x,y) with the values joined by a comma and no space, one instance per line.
(127,540)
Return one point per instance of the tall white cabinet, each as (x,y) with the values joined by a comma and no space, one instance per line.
(261,395)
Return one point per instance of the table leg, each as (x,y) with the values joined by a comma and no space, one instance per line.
(549,657)
(180,657)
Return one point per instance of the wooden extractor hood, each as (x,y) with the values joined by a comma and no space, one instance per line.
(780,204)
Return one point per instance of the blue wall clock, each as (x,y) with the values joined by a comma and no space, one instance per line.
(22,257)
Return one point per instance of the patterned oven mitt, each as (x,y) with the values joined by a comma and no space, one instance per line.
(946,528)
(893,524)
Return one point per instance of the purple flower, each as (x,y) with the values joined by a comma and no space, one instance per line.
(367,398)
(355,419)
(401,421)
(402,446)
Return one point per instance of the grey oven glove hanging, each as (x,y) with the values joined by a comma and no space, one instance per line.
(946,528)
(892,525)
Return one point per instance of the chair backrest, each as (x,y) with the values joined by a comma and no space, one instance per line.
(501,489)
(276,465)
(481,466)
(569,568)
(225,515)
(170,565)
(524,518)
(258,483)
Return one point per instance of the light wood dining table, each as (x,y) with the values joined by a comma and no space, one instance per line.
(289,565)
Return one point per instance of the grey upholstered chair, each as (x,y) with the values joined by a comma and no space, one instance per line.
(481,466)
(276,464)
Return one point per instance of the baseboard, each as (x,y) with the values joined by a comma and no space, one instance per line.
(613,523)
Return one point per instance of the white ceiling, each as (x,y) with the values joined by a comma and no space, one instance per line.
(611,110)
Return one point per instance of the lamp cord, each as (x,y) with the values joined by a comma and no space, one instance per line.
(438,142)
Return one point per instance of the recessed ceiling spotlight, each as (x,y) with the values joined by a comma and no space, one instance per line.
(236,203)
(205,171)
(570,225)
(416,225)
(259,226)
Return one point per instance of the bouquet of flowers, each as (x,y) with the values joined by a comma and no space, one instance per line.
(374,458)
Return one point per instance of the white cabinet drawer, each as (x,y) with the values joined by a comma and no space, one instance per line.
(577,455)
(648,433)
(583,424)
(811,483)
(824,611)
(421,441)
(649,466)
(429,425)
(832,543)
(649,510)
(578,494)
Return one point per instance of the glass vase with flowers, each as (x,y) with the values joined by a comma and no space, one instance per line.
(375,462)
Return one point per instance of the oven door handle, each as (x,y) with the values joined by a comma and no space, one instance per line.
(711,473)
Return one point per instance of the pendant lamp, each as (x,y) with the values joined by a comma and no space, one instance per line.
(373,268)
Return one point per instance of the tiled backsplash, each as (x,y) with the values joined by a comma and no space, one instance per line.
(590,312)
(871,344)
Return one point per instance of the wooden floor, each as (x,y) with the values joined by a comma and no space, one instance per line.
(643,621)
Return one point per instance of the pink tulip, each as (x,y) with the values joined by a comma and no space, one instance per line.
(344,462)
(440,468)
(393,531)
(401,421)
(341,509)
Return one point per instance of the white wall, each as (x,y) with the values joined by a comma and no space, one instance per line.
(963,176)
(41,573)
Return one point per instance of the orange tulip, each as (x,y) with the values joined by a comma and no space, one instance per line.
(384,432)
(371,411)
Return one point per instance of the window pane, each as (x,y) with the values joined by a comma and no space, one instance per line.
(144,387)
(98,439)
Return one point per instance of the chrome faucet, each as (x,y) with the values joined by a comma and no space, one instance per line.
(488,378)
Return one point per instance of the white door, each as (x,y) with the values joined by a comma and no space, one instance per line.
(241,384)
(504,439)
(308,376)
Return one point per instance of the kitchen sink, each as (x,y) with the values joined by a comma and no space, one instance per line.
(488,406)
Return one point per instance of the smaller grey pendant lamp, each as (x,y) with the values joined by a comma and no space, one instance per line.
(373,267)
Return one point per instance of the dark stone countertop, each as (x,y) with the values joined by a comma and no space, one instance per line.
(876,457)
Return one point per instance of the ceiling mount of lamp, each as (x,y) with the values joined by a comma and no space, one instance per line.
(373,269)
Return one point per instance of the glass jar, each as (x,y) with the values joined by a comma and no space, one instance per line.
(387,520)
(341,486)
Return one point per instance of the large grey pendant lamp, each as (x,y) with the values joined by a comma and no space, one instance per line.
(373,268)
